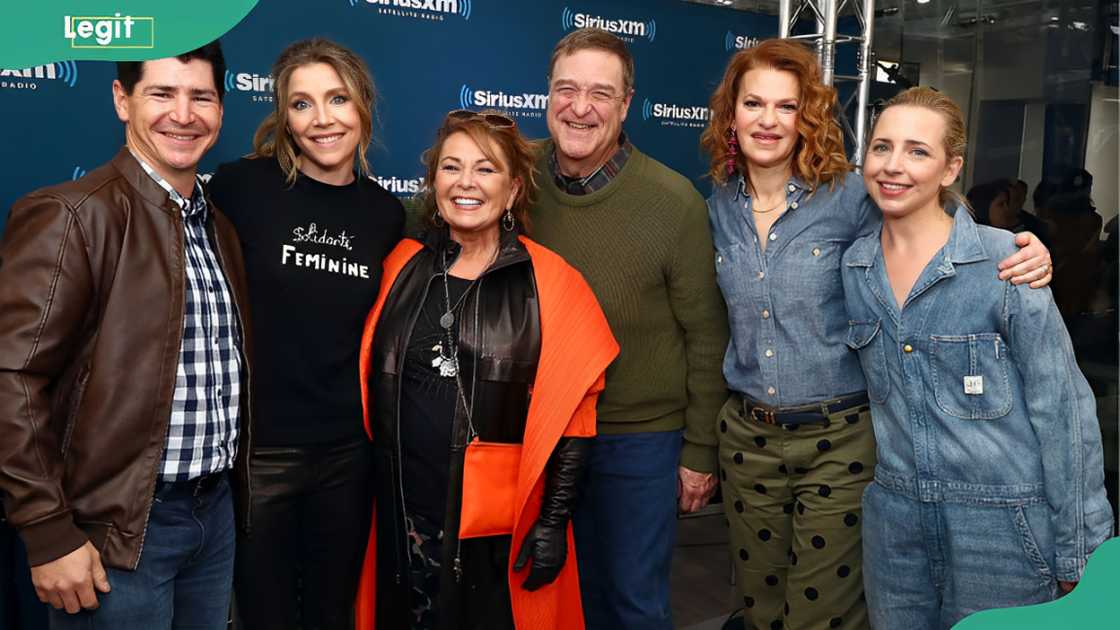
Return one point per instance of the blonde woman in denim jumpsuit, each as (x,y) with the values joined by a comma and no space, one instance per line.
(796,447)
(989,491)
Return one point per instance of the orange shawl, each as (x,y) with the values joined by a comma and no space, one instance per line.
(576,348)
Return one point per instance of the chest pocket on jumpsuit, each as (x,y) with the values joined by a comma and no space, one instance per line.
(969,374)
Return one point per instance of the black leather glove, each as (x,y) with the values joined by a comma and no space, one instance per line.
(547,541)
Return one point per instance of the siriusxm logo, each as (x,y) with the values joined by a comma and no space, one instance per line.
(732,41)
(628,30)
(28,78)
(525,105)
(420,9)
(400,186)
(260,86)
(245,82)
(669,115)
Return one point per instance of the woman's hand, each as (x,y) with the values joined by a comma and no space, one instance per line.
(1030,264)
(1066,587)
(548,547)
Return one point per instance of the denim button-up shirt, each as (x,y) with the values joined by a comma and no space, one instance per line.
(785,304)
(976,396)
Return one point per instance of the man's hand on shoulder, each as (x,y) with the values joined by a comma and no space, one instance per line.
(69,581)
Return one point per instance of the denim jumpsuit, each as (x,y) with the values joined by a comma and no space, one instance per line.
(990,484)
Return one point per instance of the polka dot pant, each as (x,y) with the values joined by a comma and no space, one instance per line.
(792,497)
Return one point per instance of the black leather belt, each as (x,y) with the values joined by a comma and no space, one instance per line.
(812,413)
(196,486)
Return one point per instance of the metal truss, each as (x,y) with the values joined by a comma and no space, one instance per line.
(825,39)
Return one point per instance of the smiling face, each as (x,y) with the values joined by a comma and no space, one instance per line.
(472,191)
(172,117)
(586,106)
(766,111)
(324,122)
(906,164)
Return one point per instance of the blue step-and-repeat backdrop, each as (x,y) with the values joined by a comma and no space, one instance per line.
(427,57)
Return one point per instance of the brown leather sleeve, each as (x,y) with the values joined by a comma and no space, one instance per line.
(45,291)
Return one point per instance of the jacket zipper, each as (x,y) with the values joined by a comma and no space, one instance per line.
(75,404)
(180,238)
(397,465)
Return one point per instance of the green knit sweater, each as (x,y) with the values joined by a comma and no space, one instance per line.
(644,245)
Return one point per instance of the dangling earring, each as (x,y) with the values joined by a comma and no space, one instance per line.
(508,222)
(733,151)
(437,219)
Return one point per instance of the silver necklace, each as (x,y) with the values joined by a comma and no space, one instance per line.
(446,359)
(447,320)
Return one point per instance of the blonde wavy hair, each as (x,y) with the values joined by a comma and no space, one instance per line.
(819,152)
(274,139)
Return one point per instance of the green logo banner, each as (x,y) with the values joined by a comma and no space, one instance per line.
(1092,605)
(47,31)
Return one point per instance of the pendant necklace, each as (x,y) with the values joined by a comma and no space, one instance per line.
(446,360)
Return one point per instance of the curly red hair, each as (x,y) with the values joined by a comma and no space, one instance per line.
(819,153)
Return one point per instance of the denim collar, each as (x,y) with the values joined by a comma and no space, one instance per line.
(796,182)
(964,245)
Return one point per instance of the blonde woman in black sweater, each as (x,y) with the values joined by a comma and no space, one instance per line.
(314,228)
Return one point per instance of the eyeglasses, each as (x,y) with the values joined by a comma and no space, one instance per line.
(498,121)
(599,95)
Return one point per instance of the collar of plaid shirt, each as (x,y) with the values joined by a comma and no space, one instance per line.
(596,180)
(192,206)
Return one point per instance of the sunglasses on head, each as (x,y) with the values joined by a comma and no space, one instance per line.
(498,121)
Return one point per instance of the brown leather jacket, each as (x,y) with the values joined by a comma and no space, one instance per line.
(91,319)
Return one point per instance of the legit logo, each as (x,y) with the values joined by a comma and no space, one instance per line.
(115,31)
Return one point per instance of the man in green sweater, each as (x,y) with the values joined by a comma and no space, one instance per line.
(639,233)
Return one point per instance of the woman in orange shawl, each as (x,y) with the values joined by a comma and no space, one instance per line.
(481,364)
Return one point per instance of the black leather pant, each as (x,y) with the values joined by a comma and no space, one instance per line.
(299,567)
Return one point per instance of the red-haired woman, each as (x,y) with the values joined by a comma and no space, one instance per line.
(796,446)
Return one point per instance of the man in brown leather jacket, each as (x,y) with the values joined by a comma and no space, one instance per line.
(123,371)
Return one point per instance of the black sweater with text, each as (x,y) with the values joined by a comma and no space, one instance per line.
(313,255)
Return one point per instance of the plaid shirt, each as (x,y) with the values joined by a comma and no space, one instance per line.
(202,436)
(597,180)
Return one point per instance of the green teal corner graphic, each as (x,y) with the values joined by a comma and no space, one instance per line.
(1092,605)
(47,31)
